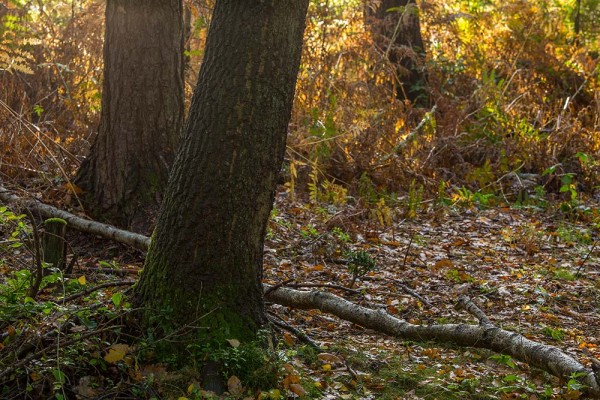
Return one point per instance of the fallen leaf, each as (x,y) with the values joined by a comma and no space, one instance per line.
(234,343)
(73,188)
(288,339)
(234,386)
(443,263)
(298,389)
(86,388)
(11,331)
(329,358)
(116,353)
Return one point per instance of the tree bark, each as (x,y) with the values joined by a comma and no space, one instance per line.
(126,171)
(53,242)
(205,260)
(396,31)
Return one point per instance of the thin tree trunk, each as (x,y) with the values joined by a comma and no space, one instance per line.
(126,171)
(396,31)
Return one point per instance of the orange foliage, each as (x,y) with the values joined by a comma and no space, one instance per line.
(514,91)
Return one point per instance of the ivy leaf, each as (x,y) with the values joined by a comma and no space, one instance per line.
(116,299)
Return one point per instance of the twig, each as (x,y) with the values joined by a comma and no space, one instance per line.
(35,283)
(327,285)
(277,286)
(414,294)
(93,289)
(69,268)
(120,272)
(298,333)
(411,135)
(464,303)
(404,287)
(41,352)
(587,256)
(408,249)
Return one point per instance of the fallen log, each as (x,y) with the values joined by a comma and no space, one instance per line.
(134,240)
(485,335)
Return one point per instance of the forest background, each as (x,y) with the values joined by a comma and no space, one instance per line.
(510,117)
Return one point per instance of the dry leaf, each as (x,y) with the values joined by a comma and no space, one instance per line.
(116,353)
(234,386)
(73,188)
(11,331)
(298,389)
(288,339)
(443,263)
(329,358)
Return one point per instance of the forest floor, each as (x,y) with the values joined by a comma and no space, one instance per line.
(531,271)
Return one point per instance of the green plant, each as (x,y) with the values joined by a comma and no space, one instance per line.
(324,130)
(15,54)
(360,263)
(555,333)
(564,274)
(253,363)
(573,383)
(483,176)
(326,192)
(382,213)
(13,227)
(467,198)
(442,199)
(539,197)
(340,235)
(309,231)
(574,234)
(569,187)
(504,360)
(414,199)
(366,189)
(458,276)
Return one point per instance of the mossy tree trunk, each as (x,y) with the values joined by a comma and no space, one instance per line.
(396,30)
(126,171)
(53,245)
(204,265)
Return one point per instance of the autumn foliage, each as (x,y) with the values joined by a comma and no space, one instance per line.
(515,90)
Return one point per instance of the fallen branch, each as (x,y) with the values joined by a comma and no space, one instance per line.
(485,335)
(84,293)
(325,285)
(135,240)
(298,333)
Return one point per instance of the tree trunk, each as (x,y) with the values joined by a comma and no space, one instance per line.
(126,171)
(204,266)
(396,32)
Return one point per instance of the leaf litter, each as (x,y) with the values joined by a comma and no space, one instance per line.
(532,272)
